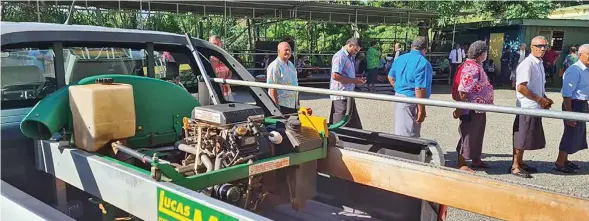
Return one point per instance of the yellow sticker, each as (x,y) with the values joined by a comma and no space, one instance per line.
(173,207)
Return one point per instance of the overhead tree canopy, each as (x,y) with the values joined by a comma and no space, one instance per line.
(311,36)
(482,10)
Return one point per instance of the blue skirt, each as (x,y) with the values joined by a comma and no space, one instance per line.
(575,138)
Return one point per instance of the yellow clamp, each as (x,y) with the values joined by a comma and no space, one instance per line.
(316,123)
(185,122)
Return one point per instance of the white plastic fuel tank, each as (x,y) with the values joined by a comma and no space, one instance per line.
(101,112)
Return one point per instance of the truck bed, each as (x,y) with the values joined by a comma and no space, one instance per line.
(124,187)
(316,211)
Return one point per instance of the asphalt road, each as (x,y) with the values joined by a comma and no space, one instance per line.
(497,149)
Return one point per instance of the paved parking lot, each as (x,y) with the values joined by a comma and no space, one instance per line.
(441,127)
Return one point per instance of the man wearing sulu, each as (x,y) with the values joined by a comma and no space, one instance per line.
(528,132)
(575,93)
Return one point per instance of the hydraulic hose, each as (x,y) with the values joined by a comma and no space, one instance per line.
(346,118)
(270,121)
(133,153)
(340,123)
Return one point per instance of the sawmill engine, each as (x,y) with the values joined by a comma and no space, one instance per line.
(220,136)
(230,152)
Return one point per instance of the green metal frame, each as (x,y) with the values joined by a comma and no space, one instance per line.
(241,171)
(202,181)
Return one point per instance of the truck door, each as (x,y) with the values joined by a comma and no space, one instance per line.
(28,75)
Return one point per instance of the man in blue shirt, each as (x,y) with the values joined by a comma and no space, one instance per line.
(575,93)
(343,78)
(411,76)
(282,71)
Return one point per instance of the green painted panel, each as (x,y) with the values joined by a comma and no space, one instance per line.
(198,182)
(556,23)
(576,36)
(159,108)
(572,36)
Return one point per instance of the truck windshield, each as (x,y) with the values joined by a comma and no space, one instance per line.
(81,62)
(27,73)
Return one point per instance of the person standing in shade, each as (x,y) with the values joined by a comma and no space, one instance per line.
(411,76)
(456,57)
(343,78)
(528,132)
(519,56)
(373,62)
(474,87)
(549,64)
(282,71)
(221,70)
(575,93)
(522,53)
(570,59)
(397,51)
(490,70)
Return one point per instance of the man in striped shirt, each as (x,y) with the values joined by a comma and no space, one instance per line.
(343,78)
(282,71)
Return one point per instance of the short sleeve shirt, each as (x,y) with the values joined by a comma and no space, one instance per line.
(475,84)
(342,63)
(530,70)
(280,72)
(373,58)
(411,71)
(221,71)
(569,60)
(576,82)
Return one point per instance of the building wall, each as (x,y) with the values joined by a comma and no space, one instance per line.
(512,34)
(572,36)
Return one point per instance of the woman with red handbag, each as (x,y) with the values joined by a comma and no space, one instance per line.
(472,85)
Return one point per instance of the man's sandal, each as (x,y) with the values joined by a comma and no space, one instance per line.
(572,165)
(521,173)
(564,169)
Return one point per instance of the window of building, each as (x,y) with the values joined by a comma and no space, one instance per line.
(557,40)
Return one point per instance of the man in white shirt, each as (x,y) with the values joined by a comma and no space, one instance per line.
(397,51)
(522,53)
(528,132)
(456,57)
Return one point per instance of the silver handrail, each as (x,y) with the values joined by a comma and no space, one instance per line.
(430,102)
